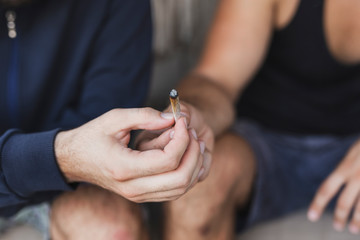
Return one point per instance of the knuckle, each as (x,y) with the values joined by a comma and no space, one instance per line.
(146,112)
(172,163)
(184,181)
(129,194)
(118,175)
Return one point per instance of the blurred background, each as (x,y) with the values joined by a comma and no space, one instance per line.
(180,30)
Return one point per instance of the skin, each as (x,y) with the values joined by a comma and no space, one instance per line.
(120,221)
(98,153)
(235,49)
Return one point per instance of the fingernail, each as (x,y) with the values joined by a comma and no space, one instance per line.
(338,226)
(201,173)
(172,134)
(313,216)
(167,115)
(194,133)
(202,147)
(354,229)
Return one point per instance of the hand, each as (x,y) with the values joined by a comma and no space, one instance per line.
(347,174)
(97,153)
(197,125)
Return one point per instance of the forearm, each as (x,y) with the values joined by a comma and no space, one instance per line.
(211,99)
(235,48)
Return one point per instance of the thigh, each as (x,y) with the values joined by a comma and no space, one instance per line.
(289,169)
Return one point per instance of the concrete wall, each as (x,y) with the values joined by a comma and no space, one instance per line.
(180,30)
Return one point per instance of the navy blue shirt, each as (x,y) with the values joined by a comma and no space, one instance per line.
(71,61)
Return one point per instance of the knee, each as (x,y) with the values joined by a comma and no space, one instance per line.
(180,216)
(227,186)
(235,155)
(197,211)
(94,213)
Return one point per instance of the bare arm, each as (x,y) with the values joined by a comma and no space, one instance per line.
(234,51)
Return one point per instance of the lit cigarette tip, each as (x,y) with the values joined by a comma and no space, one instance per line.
(175,104)
(173,94)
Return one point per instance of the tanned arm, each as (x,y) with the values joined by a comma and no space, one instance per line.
(235,48)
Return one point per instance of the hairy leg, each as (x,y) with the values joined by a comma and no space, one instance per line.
(208,210)
(94,213)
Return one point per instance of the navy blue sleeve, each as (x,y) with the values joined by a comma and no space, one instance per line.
(118,70)
(117,75)
(28,166)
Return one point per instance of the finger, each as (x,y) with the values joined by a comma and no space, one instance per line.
(117,120)
(170,194)
(155,200)
(123,138)
(204,131)
(198,170)
(136,164)
(344,205)
(160,196)
(325,193)
(184,112)
(148,135)
(158,142)
(177,179)
(208,136)
(206,166)
(354,226)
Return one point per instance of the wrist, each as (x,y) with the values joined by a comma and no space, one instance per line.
(63,154)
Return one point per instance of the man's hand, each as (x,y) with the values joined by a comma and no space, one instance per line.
(347,174)
(97,153)
(203,134)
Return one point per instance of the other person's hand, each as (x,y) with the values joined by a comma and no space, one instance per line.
(346,175)
(98,153)
(197,125)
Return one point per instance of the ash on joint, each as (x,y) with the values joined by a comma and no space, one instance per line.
(173,94)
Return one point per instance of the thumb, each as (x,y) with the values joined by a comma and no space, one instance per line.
(136,118)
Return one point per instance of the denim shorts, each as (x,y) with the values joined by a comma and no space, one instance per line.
(290,168)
